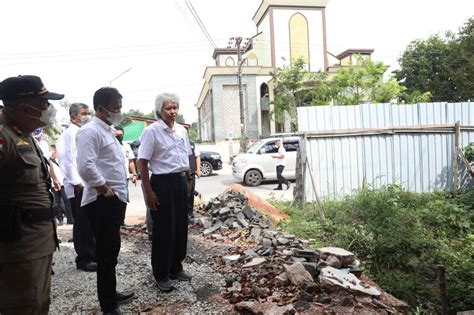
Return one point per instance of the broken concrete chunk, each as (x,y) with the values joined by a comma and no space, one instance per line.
(212,229)
(345,257)
(311,268)
(270,233)
(248,212)
(282,279)
(231,258)
(298,259)
(333,261)
(336,279)
(255,262)
(224,211)
(298,274)
(266,242)
(310,255)
(250,253)
(255,233)
(282,240)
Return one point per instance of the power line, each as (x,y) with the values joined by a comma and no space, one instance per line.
(200,23)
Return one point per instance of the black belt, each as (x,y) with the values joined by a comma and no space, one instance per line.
(36,215)
(179,174)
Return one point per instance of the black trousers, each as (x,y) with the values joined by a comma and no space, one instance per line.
(281,179)
(191,196)
(170,225)
(106,215)
(84,241)
(65,209)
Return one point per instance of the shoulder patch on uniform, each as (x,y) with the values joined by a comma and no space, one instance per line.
(22,142)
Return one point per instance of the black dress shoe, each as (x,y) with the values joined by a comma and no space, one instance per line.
(181,276)
(124,296)
(278,188)
(116,311)
(90,266)
(165,285)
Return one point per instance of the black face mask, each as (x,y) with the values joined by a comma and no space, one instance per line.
(119,138)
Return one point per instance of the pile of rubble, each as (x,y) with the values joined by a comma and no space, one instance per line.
(269,271)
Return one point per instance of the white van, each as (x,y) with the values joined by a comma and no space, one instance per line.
(258,164)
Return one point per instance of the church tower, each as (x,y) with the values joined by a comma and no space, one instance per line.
(288,29)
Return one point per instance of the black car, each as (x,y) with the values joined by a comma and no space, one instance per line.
(210,161)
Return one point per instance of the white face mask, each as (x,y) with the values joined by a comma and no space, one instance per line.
(114,118)
(85,119)
(48,116)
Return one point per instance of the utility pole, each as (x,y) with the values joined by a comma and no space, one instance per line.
(240,62)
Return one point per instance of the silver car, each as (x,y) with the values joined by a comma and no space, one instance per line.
(257,164)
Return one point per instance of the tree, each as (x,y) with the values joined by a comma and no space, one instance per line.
(423,68)
(288,83)
(462,62)
(363,82)
(193,132)
(443,66)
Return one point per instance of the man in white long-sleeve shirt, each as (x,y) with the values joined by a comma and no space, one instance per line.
(84,242)
(101,164)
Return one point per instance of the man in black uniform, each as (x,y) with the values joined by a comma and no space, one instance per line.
(27,229)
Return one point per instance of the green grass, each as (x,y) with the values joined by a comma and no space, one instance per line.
(400,237)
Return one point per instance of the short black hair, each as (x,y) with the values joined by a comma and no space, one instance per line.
(103,96)
(119,128)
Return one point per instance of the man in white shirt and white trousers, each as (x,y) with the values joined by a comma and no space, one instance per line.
(101,165)
(84,241)
(164,150)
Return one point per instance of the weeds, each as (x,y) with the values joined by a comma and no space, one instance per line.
(400,237)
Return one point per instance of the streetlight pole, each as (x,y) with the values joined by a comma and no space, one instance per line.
(121,74)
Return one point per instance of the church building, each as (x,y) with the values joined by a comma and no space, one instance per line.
(286,30)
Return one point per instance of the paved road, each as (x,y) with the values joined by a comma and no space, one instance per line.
(209,187)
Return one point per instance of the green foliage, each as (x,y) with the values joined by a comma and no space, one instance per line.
(469,151)
(193,132)
(401,237)
(443,66)
(288,83)
(362,82)
(413,97)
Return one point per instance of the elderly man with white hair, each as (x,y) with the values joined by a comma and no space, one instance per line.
(164,150)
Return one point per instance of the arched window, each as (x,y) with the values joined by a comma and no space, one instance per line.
(252,59)
(230,61)
(299,42)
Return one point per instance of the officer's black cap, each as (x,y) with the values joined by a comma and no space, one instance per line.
(25,86)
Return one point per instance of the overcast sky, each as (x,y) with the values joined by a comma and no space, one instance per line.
(80,46)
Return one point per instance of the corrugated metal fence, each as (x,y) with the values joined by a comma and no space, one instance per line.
(379,144)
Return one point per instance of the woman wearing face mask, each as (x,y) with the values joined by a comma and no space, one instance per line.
(101,164)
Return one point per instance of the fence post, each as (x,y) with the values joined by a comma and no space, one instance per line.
(457,139)
(319,204)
